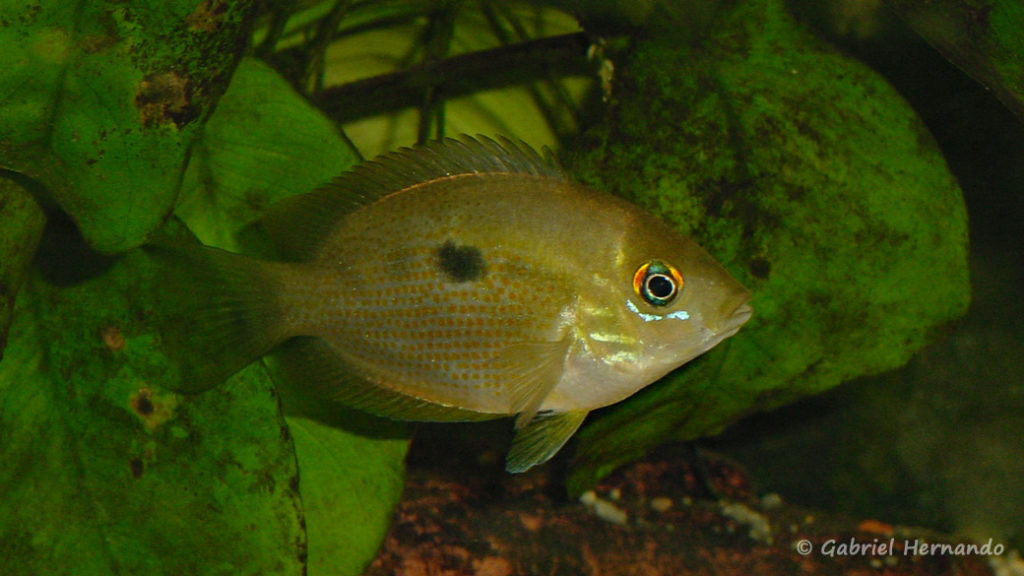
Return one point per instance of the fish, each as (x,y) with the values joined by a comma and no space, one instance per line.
(462,279)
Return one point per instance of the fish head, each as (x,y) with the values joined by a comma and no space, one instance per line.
(663,302)
(678,300)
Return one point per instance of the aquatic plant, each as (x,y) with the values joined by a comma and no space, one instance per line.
(795,164)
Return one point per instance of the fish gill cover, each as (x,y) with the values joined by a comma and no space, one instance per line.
(795,165)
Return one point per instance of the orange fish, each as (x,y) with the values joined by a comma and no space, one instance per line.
(460,280)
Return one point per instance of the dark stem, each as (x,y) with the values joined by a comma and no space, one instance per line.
(279,14)
(313,75)
(516,64)
(437,42)
(550,101)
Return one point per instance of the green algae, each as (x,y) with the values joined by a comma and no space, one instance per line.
(797,167)
(100,101)
(813,182)
(107,469)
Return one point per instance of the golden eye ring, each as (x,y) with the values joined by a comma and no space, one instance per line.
(657,282)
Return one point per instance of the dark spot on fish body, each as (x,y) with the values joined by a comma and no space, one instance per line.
(461,263)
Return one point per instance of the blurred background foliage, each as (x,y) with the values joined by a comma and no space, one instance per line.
(805,143)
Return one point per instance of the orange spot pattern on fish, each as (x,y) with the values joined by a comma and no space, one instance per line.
(461,280)
(416,331)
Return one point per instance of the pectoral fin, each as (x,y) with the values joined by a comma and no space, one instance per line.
(536,368)
(540,438)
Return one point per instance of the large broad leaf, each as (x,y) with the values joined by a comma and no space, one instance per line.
(352,471)
(262,144)
(983,37)
(106,470)
(813,182)
(22,223)
(100,101)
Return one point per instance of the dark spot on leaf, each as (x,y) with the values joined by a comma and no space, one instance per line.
(137,467)
(96,43)
(143,405)
(165,98)
(759,268)
(979,15)
(153,409)
(113,339)
(461,263)
(207,17)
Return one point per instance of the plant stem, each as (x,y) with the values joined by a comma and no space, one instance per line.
(522,63)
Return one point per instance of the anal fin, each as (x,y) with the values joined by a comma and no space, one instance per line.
(313,367)
(539,439)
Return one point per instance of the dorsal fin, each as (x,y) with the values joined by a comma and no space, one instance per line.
(300,223)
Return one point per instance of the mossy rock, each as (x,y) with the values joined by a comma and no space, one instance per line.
(815,184)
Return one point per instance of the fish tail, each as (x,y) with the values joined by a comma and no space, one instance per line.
(217,312)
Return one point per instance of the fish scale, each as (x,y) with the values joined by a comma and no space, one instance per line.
(420,335)
(460,280)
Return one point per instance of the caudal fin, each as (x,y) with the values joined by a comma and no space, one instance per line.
(217,312)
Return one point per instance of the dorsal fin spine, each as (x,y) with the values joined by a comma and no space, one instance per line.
(300,224)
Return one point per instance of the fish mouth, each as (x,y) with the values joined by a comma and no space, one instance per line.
(741,315)
(728,326)
(733,323)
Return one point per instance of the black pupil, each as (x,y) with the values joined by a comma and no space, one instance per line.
(660,286)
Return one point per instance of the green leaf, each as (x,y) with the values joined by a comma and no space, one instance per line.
(983,37)
(263,143)
(100,102)
(352,475)
(813,182)
(106,471)
(22,223)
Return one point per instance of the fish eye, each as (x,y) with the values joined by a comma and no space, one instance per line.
(657,282)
